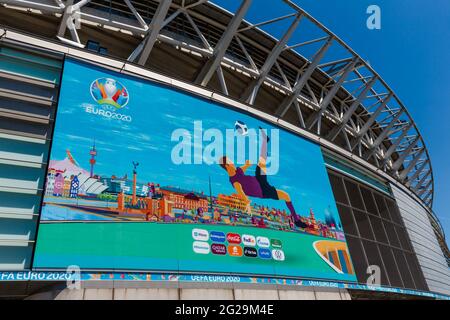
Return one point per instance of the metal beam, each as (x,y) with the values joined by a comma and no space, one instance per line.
(260,24)
(411,165)
(379,140)
(155,27)
(397,142)
(427,196)
(421,181)
(136,14)
(252,89)
(213,63)
(69,11)
(306,43)
(333,63)
(425,188)
(222,81)
(397,164)
(299,113)
(371,120)
(348,114)
(287,102)
(417,173)
(313,118)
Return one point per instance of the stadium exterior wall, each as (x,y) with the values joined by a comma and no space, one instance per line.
(423,239)
(29,138)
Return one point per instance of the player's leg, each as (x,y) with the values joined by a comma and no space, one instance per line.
(283,195)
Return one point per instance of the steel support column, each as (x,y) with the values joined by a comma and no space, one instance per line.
(348,114)
(398,163)
(379,140)
(331,94)
(371,120)
(411,165)
(213,63)
(287,102)
(252,89)
(154,29)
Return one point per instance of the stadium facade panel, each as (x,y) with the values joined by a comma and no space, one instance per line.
(376,161)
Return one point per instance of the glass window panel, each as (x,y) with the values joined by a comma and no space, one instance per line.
(338,189)
(393,211)
(416,271)
(347,220)
(391,267)
(382,209)
(354,195)
(358,258)
(374,258)
(403,268)
(368,200)
(362,221)
(403,238)
(392,235)
(378,229)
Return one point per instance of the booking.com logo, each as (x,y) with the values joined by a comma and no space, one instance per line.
(233,147)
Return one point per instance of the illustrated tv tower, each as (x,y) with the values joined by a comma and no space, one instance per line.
(93,153)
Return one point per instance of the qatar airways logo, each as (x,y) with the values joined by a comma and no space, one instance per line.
(111,96)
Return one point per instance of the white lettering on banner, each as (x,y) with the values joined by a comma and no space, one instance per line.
(107,114)
(189,146)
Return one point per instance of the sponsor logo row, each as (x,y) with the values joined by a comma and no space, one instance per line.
(233,250)
(234,238)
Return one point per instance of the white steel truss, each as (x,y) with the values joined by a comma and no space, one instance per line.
(353,107)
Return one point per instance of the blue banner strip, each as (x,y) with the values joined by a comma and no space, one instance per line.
(203,278)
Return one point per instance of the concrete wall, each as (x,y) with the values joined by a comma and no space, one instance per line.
(425,243)
(198,294)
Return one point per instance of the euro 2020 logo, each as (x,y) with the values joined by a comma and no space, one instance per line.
(108,92)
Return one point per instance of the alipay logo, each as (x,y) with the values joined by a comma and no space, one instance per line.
(200,234)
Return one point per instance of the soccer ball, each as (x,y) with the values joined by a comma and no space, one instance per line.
(241,128)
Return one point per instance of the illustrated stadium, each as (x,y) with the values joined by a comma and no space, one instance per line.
(118,179)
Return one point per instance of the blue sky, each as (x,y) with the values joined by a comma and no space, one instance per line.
(412,54)
(156,113)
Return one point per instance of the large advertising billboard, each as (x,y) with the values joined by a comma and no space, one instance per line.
(145,177)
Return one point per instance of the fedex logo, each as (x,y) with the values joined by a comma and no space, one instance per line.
(233,238)
(248,240)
